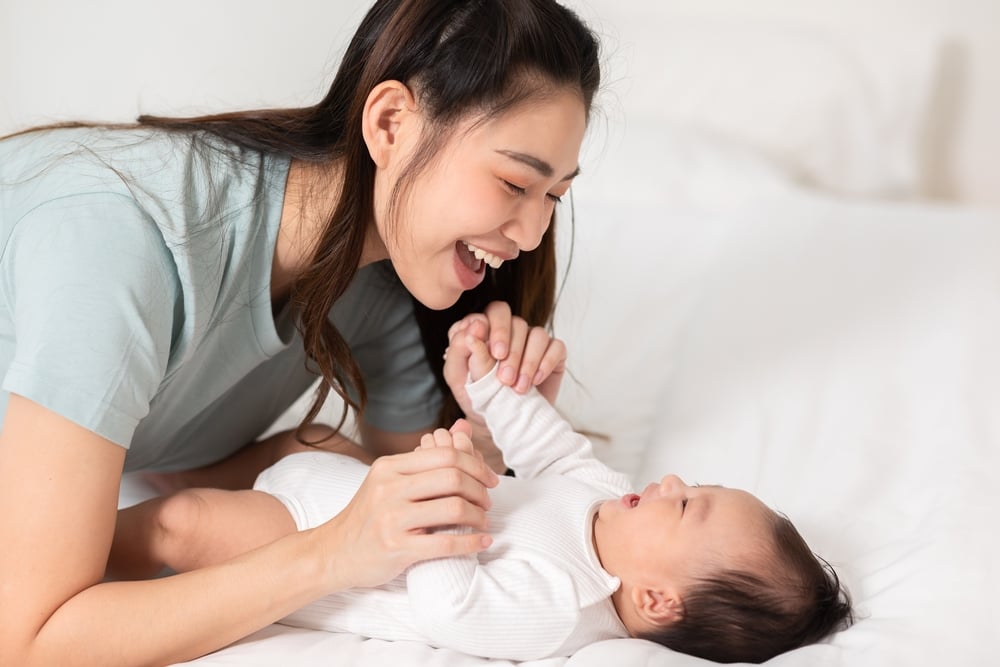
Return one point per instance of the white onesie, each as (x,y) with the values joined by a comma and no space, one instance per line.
(538,591)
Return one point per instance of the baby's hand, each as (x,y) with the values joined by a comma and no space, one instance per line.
(528,355)
(458,436)
(467,357)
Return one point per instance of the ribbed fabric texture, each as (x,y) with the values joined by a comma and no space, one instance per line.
(538,591)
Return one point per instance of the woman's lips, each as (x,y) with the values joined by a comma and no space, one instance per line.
(468,258)
(470,271)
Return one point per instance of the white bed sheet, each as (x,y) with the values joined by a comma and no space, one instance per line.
(839,359)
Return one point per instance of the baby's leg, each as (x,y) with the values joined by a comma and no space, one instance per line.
(241,469)
(194,528)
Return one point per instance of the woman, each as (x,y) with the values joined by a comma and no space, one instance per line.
(154,276)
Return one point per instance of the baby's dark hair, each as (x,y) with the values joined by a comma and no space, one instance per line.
(741,616)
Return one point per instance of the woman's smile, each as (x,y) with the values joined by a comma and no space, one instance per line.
(470,269)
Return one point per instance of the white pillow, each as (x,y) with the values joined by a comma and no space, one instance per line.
(650,161)
(644,204)
(841,111)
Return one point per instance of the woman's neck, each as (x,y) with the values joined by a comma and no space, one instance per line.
(311,195)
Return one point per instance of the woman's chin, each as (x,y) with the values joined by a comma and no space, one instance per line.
(440,299)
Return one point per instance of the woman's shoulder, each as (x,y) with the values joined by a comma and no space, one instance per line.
(52,163)
(182,180)
(102,154)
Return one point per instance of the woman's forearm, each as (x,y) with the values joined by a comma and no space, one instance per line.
(178,618)
(58,491)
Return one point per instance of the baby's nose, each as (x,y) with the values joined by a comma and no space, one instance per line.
(672,484)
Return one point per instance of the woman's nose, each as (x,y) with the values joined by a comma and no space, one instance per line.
(528,228)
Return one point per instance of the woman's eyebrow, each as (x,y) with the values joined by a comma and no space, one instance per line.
(539,165)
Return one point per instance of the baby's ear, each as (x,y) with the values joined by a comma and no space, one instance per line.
(658,607)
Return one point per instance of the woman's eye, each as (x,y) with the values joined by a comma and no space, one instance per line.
(513,188)
(555,198)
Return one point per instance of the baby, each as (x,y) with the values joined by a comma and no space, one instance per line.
(576,557)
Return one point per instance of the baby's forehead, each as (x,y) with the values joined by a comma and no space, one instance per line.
(744,520)
(740,498)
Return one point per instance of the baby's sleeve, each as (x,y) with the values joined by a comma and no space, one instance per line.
(536,440)
(506,608)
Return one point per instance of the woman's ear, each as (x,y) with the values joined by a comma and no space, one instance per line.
(658,607)
(390,116)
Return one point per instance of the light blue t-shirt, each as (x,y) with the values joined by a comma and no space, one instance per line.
(135,272)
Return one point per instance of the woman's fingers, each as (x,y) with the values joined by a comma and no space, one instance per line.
(433,459)
(540,356)
(394,519)
(499,318)
(449,511)
(443,483)
(510,368)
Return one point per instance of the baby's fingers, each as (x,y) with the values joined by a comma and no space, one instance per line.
(480,359)
(461,437)
(477,323)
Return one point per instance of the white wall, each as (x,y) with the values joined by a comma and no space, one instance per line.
(111,59)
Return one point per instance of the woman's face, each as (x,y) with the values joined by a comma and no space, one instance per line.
(487,195)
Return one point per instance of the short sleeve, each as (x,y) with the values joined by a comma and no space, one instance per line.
(92,292)
(376,317)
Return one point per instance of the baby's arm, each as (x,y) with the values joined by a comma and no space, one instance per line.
(506,607)
(533,436)
(192,529)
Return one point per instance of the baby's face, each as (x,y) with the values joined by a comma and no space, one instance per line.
(672,531)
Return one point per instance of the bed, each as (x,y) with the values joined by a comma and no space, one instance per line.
(767,290)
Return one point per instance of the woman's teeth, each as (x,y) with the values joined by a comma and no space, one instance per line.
(489,258)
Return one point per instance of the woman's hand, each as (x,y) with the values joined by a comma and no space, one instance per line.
(528,355)
(531,357)
(389,523)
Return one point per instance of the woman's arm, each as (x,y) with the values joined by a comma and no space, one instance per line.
(58,501)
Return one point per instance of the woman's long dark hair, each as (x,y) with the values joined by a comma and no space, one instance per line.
(462,57)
